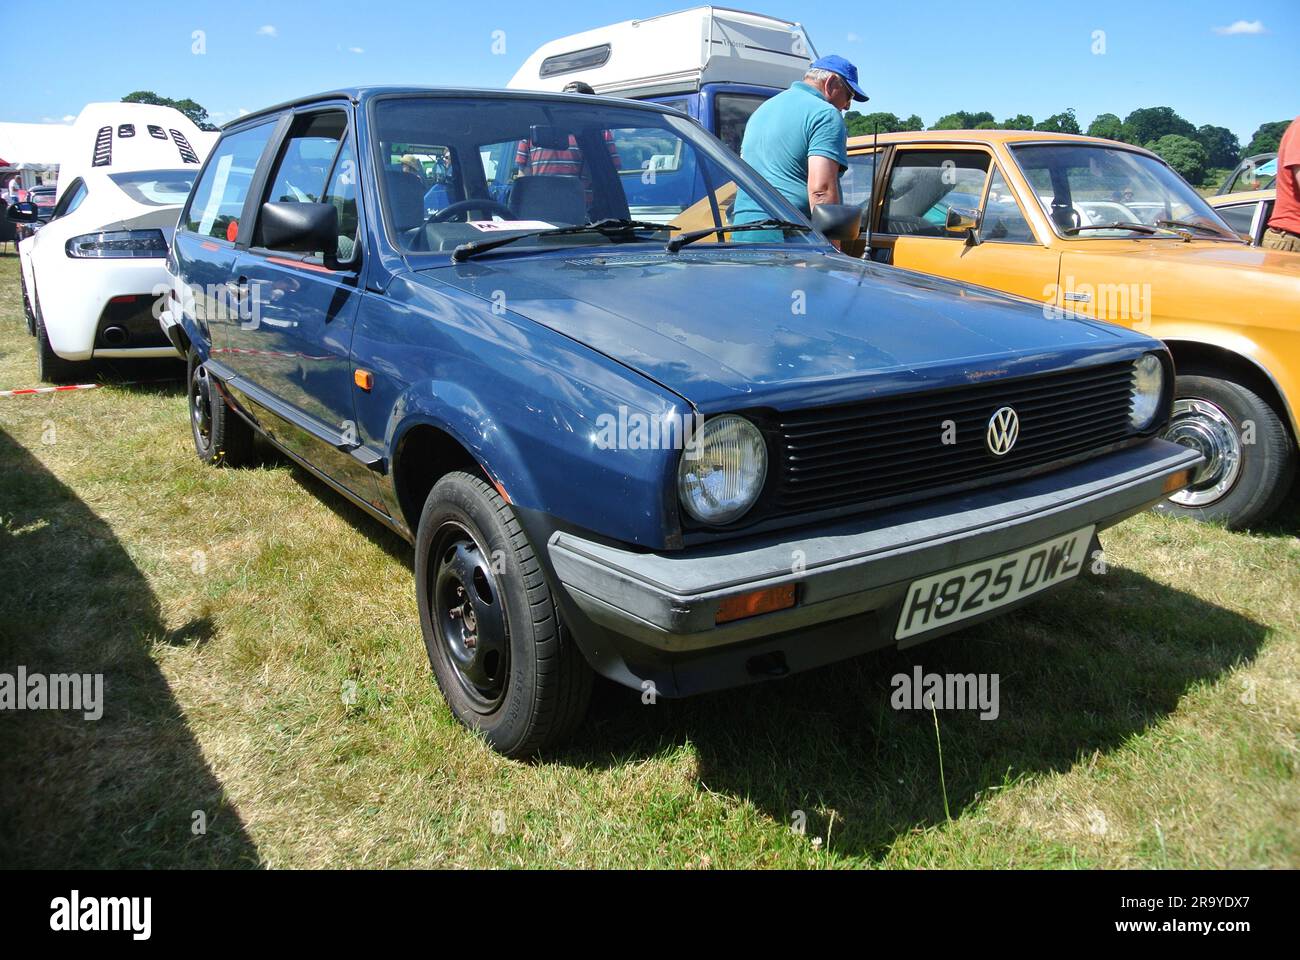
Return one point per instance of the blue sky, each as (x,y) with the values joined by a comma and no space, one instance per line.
(915,56)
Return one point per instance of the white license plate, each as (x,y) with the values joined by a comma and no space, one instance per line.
(968,591)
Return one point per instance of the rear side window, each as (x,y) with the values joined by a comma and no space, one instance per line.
(71,198)
(157,188)
(218,200)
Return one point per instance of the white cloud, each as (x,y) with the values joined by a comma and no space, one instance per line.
(69,117)
(853,38)
(267,31)
(1240,26)
(243,111)
(356,50)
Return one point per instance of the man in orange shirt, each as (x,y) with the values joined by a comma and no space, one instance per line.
(1283,231)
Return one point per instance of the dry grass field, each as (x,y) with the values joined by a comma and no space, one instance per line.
(265,678)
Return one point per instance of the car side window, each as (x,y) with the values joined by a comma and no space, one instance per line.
(855,184)
(342,193)
(217,202)
(733,113)
(1239,216)
(1002,220)
(70,200)
(925,184)
(307,158)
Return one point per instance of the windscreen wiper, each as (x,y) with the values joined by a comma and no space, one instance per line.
(1188,225)
(1114,225)
(609,227)
(676,243)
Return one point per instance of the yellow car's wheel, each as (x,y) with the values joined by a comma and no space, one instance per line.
(1249,453)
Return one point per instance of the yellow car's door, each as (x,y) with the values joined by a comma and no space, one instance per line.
(949,211)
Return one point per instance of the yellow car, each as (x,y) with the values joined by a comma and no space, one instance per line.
(1091,227)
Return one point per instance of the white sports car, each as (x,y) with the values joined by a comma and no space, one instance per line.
(91,272)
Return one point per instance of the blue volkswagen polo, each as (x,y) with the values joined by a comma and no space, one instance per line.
(624,444)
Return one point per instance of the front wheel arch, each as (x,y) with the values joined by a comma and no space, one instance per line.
(1197,358)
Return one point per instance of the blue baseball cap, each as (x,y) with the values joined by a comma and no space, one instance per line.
(847,71)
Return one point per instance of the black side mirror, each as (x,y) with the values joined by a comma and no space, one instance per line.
(23,213)
(838,221)
(300,227)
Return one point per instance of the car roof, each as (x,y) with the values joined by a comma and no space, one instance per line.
(360,94)
(989,137)
(1241,196)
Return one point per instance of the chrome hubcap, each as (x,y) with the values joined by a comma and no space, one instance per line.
(1204,427)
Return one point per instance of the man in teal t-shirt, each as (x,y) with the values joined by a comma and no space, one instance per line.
(798,142)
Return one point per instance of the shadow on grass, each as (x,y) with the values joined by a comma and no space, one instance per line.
(1081,671)
(120,791)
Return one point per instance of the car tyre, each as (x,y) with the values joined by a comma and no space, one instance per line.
(505,662)
(221,437)
(50,367)
(1246,477)
(28,313)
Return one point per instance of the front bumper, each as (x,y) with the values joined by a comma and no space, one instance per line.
(663,605)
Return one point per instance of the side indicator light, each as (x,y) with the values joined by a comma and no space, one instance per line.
(1176,481)
(363,379)
(752,604)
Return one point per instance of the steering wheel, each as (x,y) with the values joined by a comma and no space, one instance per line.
(461,208)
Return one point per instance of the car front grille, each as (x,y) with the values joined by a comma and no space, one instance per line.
(885,449)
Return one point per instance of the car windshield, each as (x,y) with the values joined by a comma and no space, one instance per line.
(457,170)
(157,188)
(1090,191)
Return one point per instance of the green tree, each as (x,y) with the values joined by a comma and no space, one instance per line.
(1152,123)
(962,120)
(1184,154)
(1107,125)
(187,106)
(1267,138)
(1021,121)
(1221,145)
(862,124)
(1064,122)
(913,123)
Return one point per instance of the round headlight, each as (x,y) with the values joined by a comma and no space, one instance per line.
(722,470)
(1148,389)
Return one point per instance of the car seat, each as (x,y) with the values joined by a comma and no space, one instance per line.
(405,199)
(555,199)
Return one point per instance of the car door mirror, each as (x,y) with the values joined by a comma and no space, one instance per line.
(300,227)
(24,212)
(963,220)
(837,221)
